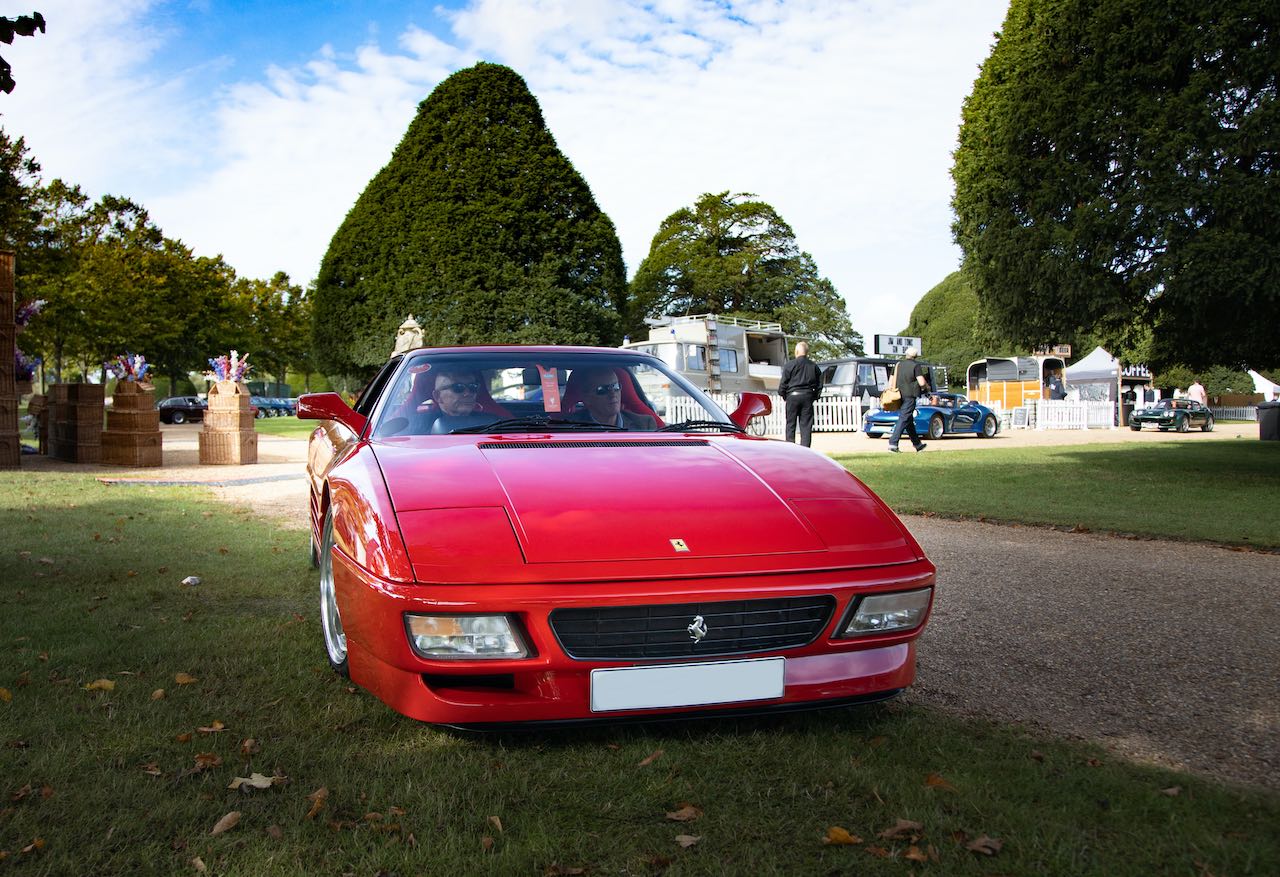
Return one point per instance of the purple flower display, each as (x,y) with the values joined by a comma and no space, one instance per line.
(24,367)
(27,311)
(128,367)
(231,367)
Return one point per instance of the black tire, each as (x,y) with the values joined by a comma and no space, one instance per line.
(261,414)
(331,633)
(1208,425)
(1183,426)
(990,426)
(177,417)
(936,427)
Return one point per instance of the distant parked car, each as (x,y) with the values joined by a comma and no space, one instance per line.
(287,407)
(265,407)
(1179,414)
(181,409)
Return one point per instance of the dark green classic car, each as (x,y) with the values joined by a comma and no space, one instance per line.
(1179,414)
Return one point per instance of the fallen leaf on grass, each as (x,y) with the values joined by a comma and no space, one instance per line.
(486,842)
(5,695)
(184,738)
(46,792)
(249,746)
(901,829)
(987,846)
(198,864)
(100,685)
(191,581)
(496,823)
(151,768)
(208,759)
(1172,791)
(684,812)
(838,836)
(226,823)
(158,694)
(878,851)
(212,728)
(687,840)
(915,854)
(317,799)
(557,870)
(935,781)
(1037,755)
(651,758)
(21,793)
(184,679)
(274,832)
(36,845)
(256,781)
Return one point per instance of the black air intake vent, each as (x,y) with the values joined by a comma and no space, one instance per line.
(737,627)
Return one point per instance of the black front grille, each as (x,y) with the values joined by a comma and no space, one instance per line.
(733,628)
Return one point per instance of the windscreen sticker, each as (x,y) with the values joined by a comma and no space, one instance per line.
(419,369)
(550,390)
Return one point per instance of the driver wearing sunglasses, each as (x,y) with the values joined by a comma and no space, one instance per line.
(456,393)
(602,401)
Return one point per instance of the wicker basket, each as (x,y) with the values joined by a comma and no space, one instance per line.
(138,449)
(132,436)
(228,448)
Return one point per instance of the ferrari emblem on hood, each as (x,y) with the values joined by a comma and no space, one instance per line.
(678,545)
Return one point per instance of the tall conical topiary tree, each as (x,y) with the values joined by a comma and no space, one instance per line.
(479,227)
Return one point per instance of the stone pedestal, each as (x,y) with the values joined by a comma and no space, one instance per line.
(132,436)
(228,436)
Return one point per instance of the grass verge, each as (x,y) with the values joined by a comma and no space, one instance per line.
(1212,491)
(128,781)
(289,427)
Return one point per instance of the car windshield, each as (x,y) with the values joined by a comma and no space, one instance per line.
(439,392)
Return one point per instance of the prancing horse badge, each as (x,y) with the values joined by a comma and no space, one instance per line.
(678,545)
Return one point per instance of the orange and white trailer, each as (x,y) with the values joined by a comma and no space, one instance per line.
(1012,381)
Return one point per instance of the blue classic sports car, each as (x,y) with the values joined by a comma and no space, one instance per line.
(938,414)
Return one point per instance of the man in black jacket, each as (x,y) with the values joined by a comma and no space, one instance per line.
(801,383)
(913,380)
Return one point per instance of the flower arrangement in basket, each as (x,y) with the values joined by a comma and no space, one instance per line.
(24,367)
(229,368)
(129,368)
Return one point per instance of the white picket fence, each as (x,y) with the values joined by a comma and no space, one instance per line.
(1238,412)
(830,414)
(1066,414)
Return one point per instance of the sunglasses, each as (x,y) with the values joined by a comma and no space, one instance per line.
(606,389)
(461,388)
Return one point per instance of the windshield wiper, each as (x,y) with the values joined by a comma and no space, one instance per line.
(694,425)
(518,424)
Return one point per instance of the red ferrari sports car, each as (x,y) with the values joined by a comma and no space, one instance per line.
(510,535)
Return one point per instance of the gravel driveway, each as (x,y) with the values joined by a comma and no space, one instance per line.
(1163,652)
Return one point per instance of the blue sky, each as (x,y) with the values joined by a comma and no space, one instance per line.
(249,129)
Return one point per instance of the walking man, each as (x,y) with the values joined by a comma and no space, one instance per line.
(801,383)
(912,381)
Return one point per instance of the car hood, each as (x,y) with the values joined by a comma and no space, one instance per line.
(666,506)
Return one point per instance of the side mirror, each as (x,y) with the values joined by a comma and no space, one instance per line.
(329,406)
(753,405)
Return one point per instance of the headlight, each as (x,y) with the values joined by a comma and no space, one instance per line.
(464,636)
(882,613)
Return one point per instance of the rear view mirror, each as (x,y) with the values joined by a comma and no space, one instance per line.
(753,405)
(329,406)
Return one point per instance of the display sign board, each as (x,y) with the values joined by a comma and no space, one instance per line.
(1052,350)
(895,345)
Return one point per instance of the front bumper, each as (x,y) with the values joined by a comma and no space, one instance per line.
(551,687)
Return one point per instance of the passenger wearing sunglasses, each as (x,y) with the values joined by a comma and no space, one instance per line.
(455,395)
(602,402)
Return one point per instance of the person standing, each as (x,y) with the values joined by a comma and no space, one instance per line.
(913,379)
(800,385)
(1196,393)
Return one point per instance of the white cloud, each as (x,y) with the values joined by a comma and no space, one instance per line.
(842,115)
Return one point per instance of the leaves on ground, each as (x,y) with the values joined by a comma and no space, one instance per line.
(100,685)
(838,836)
(257,781)
(684,812)
(687,840)
(651,758)
(987,846)
(226,823)
(317,799)
(185,679)
(936,781)
(903,829)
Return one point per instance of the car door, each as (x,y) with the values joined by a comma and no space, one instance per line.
(966,416)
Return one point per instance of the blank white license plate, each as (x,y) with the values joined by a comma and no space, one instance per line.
(672,685)
(880,428)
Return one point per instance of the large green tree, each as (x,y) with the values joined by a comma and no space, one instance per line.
(946,322)
(1117,168)
(480,227)
(734,255)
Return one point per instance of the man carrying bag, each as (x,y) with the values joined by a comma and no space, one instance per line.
(911,380)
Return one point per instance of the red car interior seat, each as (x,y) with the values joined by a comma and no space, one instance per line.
(575,390)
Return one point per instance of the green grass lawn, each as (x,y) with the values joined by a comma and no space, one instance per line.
(1221,491)
(131,781)
(289,427)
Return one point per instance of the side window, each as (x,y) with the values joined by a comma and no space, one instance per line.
(728,360)
(372,390)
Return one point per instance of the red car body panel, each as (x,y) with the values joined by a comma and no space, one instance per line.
(521,524)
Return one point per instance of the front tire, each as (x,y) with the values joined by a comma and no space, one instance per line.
(335,640)
(177,417)
(1208,425)
(990,426)
(1183,426)
(935,427)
